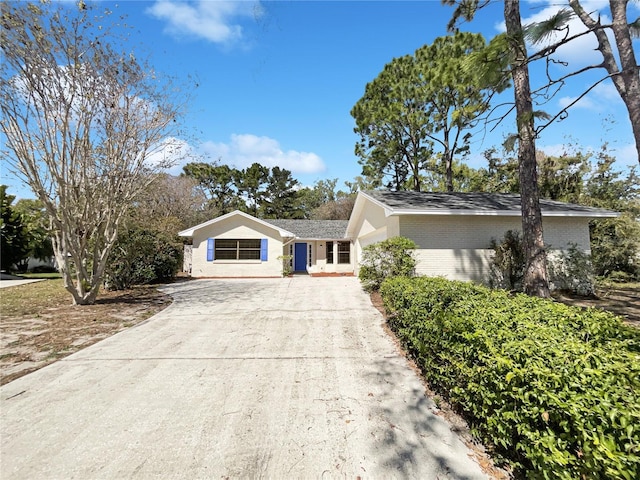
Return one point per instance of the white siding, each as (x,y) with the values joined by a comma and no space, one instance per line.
(458,264)
(319,261)
(236,227)
(457,247)
(372,226)
(559,232)
(456,232)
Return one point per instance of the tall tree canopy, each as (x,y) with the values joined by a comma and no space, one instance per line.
(418,106)
(36,222)
(281,196)
(261,191)
(81,117)
(218,182)
(14,241)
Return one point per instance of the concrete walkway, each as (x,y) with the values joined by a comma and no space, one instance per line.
(278,378)
(16,283)
(7,280)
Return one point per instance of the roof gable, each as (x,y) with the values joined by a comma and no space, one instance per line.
(190,231)
(287,228)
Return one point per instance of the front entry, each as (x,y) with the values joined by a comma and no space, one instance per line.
(300,257)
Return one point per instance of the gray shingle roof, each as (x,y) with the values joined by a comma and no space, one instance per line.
(310,229)
(475,202)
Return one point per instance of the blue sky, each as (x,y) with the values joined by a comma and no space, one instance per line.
(278,79)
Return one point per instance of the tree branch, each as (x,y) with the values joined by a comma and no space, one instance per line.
(562,114)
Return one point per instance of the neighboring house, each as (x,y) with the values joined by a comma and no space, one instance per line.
(453,232)
(240,245)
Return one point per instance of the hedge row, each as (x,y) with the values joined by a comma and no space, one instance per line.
(555,389)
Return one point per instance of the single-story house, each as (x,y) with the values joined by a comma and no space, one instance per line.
(453,232)
(240,245)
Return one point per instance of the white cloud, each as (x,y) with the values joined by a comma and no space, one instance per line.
(557,150)
(626,156)
(214,21)
(600,99)
(580,51)
(607,92)
(585,102)
(171,153)
(245,149)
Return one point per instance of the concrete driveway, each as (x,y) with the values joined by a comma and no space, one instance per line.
(277,378)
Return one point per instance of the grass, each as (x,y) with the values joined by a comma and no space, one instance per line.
(47,276)
(605,283)
(19,301)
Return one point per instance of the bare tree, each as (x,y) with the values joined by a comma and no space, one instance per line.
(624,73)
(81,120)
(170,204)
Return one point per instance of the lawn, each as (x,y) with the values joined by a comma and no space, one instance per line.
(40,325)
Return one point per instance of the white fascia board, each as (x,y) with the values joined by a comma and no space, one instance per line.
(500,213)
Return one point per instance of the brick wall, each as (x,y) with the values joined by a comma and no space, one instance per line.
(457,247)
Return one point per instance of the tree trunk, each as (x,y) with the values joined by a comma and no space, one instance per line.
(448,158)
(535,280)
(630,71)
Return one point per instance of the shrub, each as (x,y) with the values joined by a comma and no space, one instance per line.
(140,257)
(555,389)
(389,258)
(44,269)
(508,262)
(615,245)
(287,264)
(571,270)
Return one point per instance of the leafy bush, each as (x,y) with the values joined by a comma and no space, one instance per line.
(508,262)
(555,389)
(44,269)
(571,270)
(14,239)
(390,258)
(287,264)
(616,246)
(142,256)
(621,277)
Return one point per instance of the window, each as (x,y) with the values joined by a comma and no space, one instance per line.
(309,256)
(344,252)
(238,249)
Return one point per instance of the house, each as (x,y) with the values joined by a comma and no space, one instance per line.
(453,232)
(240,245)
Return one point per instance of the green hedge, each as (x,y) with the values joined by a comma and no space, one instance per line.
(555,389)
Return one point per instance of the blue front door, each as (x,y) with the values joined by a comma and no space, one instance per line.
(300,257)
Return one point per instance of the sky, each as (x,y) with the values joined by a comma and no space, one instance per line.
(278,79)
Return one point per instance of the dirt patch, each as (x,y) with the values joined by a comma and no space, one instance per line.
(624,302)
(50,328)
